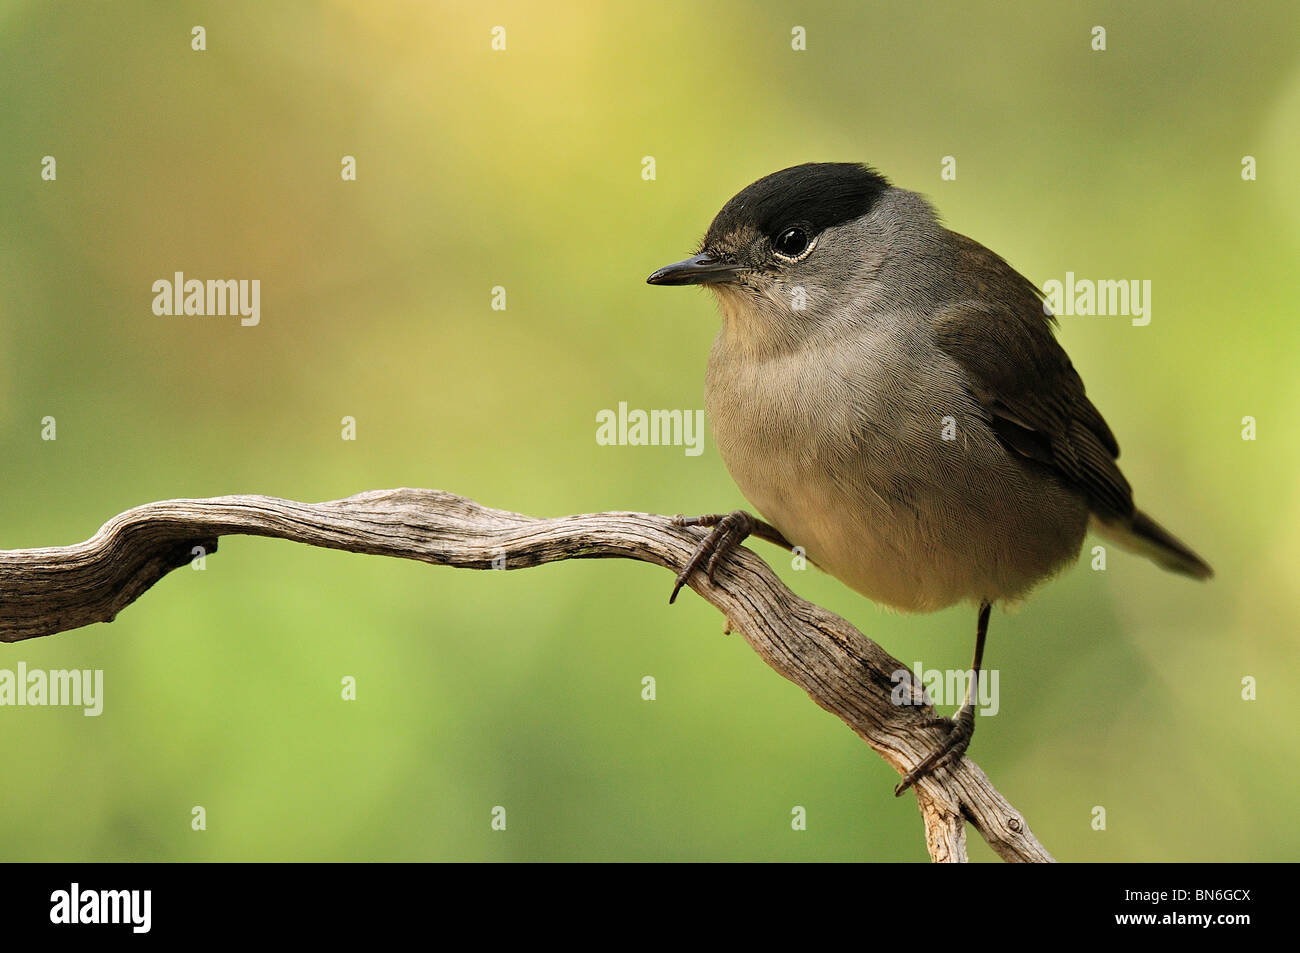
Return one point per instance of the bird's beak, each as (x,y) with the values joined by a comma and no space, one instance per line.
(698,270)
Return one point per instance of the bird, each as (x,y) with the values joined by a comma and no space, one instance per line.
(890,396)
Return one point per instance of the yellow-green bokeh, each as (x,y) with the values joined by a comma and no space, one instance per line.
(522,168)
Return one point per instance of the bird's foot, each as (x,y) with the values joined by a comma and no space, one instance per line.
(961,728)
(729,531)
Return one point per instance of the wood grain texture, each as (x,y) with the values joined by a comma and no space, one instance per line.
(49,590)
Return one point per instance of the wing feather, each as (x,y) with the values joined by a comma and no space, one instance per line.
(1002,337)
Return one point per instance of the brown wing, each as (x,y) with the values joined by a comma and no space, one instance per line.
(1002,337)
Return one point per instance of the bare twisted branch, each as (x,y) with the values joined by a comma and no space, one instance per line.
(43,591)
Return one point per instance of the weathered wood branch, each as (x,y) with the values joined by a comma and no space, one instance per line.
(43,591)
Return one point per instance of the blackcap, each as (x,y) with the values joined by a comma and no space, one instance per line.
(890,396)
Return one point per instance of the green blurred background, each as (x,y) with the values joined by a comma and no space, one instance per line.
(522,169)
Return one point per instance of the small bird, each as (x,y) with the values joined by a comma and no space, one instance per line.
(890,396)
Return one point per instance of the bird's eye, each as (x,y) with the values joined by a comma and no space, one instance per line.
(792,244)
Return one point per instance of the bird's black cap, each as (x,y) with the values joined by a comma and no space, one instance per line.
(816,195)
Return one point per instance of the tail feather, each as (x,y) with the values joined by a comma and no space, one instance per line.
(1145,536)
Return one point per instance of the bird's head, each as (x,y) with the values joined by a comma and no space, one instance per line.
(794,241)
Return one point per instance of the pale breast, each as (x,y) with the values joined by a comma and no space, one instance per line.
(888,476)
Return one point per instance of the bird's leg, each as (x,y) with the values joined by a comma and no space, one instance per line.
(962,726)
(729,531)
